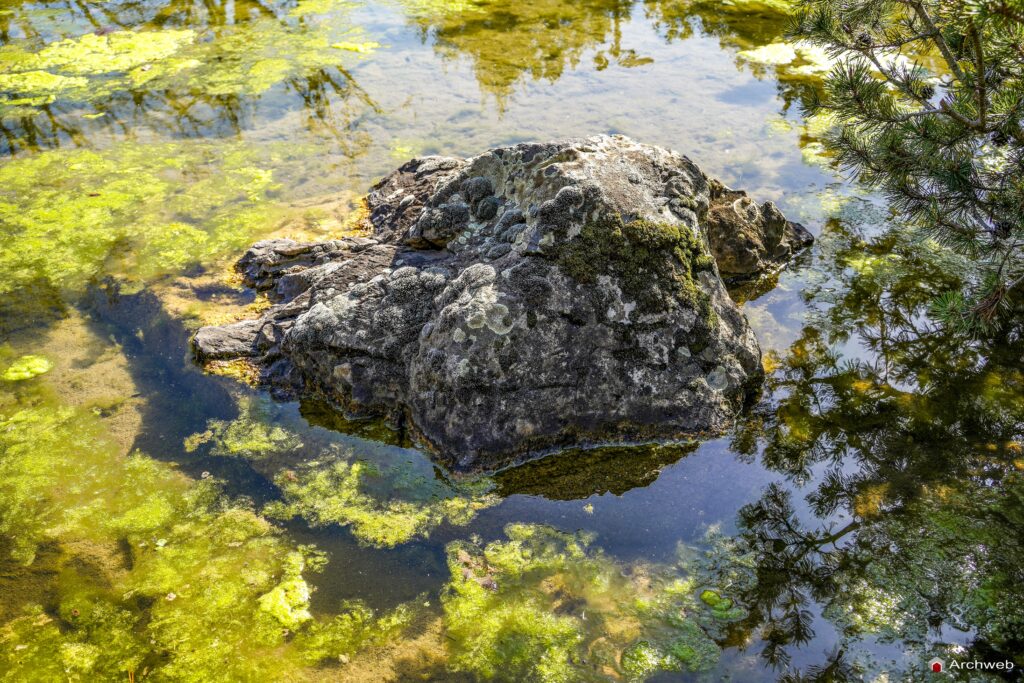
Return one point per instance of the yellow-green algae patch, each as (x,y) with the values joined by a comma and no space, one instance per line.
(251,435)
(385,501)
(546,606)
(36,87)
(382,505)
(116,51)
(155,575)
(27,367)
(136,210)
(243,59)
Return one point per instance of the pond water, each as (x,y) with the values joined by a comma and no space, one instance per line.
(158,522)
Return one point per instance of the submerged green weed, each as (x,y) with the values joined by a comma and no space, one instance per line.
(385,501)
(27,367)
(546,606)
(248,58)
(156,574)
(69,216)
(383,506)
(251,435)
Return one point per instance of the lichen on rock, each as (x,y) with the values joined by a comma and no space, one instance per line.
(531,298)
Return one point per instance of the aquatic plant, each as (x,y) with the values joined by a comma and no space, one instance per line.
(383,505)
(548,606)
(69,216)
(157,575)
(252,435)
(27,367)
(247,58)
(111,52)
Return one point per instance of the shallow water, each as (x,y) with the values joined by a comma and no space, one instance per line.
(864,517)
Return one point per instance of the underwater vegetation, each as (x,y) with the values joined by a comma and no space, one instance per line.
(69,216)
(244,59)
(27,367)
(381,495)
(382,505)
(178,71)
(546,605)
(251,435)
(185,127)
(159,576)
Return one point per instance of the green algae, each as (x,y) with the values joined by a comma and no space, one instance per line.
(311,7)
(288,601)
(362,48)
(244,59)
(112,52)
(547,606)
(157,575)
(383,506)
(138,211)
(354,629)
(27,367)
(36,87)
(385,501)
(251,435)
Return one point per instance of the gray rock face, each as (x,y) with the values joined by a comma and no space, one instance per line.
(531,298)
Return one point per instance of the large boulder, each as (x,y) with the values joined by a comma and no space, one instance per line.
(527,299)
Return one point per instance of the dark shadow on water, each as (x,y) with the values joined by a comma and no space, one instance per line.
(180,398)
(319,413)
(577,474)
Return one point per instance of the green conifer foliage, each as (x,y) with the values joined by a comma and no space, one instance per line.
(929,96)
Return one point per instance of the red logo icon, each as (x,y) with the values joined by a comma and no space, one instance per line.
(936,665)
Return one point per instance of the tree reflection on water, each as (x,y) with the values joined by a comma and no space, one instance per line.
(902,447)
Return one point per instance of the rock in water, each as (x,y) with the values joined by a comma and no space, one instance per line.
(531,298)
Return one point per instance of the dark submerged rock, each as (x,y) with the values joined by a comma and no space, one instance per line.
(531,298)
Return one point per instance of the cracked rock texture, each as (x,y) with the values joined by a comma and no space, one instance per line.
(533,297)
